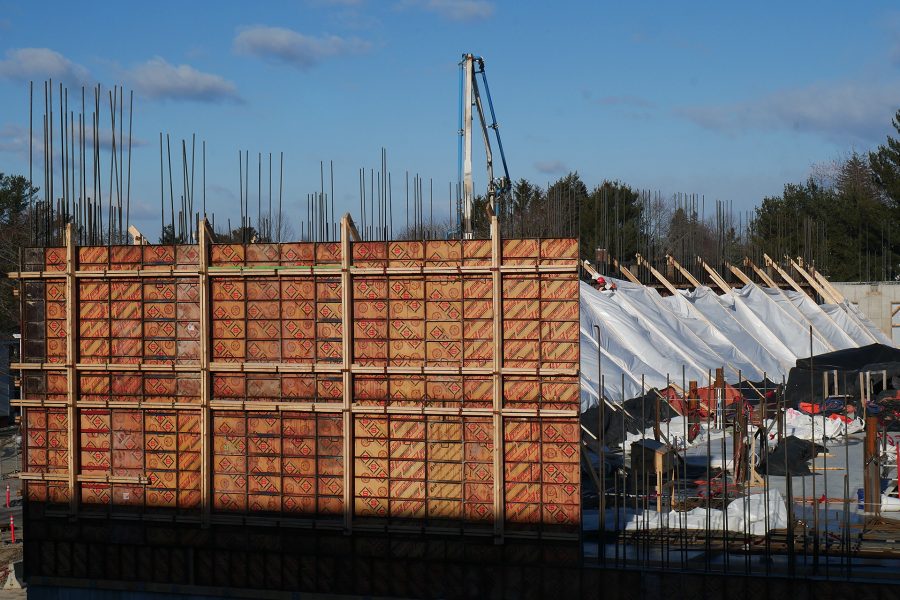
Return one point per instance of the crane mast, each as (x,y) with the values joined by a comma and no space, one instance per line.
(471,67)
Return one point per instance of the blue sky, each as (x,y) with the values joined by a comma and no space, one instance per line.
(723,100)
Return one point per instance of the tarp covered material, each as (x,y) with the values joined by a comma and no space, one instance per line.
(748,514)
(634,339)
(805,380)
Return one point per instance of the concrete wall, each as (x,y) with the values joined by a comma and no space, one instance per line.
(880,301)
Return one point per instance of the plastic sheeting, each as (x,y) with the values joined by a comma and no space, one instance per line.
(648,341)
(748,514)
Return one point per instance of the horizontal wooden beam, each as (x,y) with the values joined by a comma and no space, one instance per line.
(315,407)
(302,368)
(292,271)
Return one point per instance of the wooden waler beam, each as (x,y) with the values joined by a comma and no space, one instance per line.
(826,297)
(763,276)
(684,272)
(784,274)
(659,276)
(714,275)
(738,273)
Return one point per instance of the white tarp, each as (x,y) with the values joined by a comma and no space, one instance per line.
(816,428)
(791,332)
(751,338)
(820,320)
(647,341)
(748,514)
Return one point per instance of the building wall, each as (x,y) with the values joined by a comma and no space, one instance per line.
(879,300)
(360,382)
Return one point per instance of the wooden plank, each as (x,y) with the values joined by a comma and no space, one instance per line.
(739,274)
(763,276)
(205,378)
(823,293)
(659,276)
(831,289)
(292,271)
(497,400)
(348,231)
(684,272)
(714,275)
(72,330)
(787,278)
(626,272)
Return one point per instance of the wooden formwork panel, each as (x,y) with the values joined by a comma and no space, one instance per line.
(271,462)
(363,382)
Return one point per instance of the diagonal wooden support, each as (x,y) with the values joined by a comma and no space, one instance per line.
(626,272)
(739,274)
(589,268)
(684,272)
(659,276)
(763,276)
(832,291)
(823,293)
(714,275)
(787,278)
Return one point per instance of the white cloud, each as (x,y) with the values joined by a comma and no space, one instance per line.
(455,10)
(842,112)
(551,167)
(159,80)
(23,64)
(14,140)
(287,46)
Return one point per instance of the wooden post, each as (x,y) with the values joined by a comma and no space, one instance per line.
(497,406)
(72,333)
(658,467)
(871,470)
(347,231)
(692,409)
(206,471)
(656,431)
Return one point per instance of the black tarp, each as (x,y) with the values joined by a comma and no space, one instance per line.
(849,364)
(792,456)
(641,416)
(753,391)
